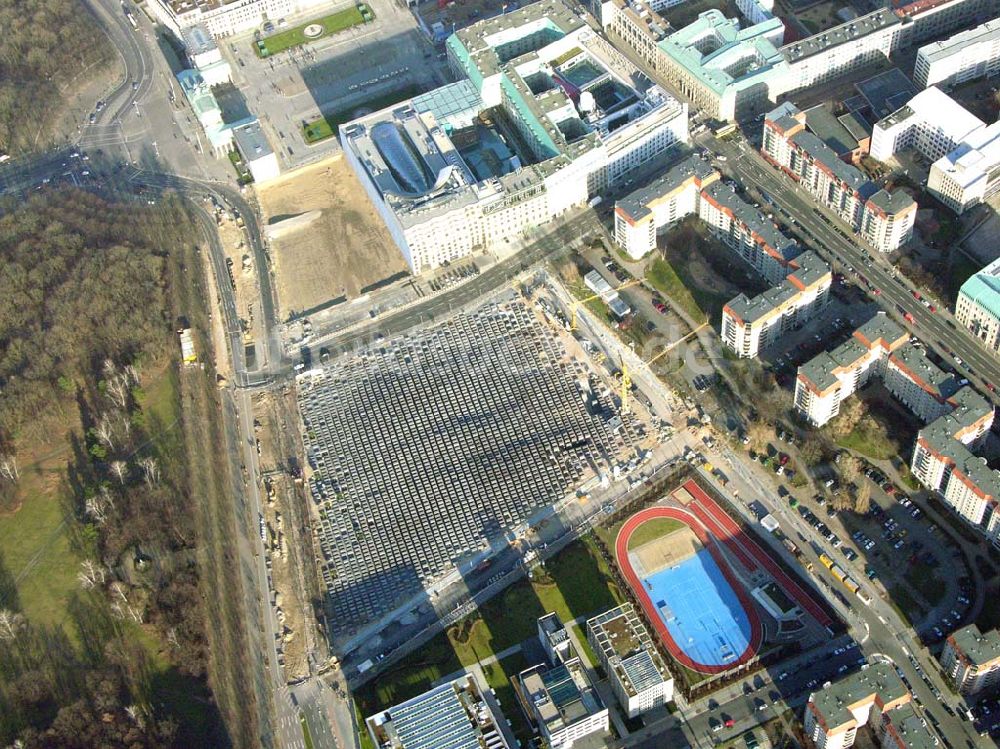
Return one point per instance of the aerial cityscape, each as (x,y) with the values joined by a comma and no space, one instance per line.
(495,374)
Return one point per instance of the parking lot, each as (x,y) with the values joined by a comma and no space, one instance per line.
(923,574)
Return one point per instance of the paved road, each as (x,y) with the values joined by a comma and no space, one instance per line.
(429,309)
(834,242)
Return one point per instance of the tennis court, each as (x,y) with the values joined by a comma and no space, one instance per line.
(701,611)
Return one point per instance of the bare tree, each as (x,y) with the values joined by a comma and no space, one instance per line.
(760,434)
(119,590)
(851,412)
(91,574)
(118,391)
(863,498)
(94,508)
(8,467)
(105,432)
(120,469)
(126,425)
(10,624)
(150,469)
(850,468)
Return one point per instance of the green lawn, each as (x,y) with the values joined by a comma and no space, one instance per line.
(326,126)
(905,604)
(498,676)
(663,277)
(652,530)
(925,580)
(294,37)
(306,735)
(576,583)
(870,445)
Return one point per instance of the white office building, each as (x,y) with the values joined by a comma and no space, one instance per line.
(227,18)
(978,305)
(968,175)
(931,123)
(966,56)
(559,696)
(257,153)
(636,671)
(545,118)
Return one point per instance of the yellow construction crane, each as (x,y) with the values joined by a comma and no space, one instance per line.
(626,383)
(577,302)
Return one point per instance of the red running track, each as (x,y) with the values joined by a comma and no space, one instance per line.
(733,534)
(621,553)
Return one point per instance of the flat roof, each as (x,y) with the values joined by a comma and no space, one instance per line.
(892,203)
(251,141)
(978,647)
(842,34)
(829,129)
(628,649)
(987,33)
(834,702)
(909,730)
(197,39)
(636,203)
(454,714)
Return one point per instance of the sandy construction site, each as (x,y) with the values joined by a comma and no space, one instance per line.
(340,250)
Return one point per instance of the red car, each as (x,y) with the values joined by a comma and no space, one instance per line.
(991,387)
(783,459)
(660,307)
(932,308)
(916,294)
(729,723)
(876,292)
(889,488)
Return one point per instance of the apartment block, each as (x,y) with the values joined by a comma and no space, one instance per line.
(559,696)
(884,220)
(978,305)
(966,56)
(636,671)
(828,378)
(834,714)
(751,325)
(647,211)
(971,659)
(944,461)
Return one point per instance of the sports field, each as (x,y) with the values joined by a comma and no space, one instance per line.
(702,613)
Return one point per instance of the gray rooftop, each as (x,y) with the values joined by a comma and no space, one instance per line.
(754,220)
(943,384)
(636,203)
(811,269)
(843,34)
(829,129)
(251,141)
(909,730)
(823,154)
(892,202)
(979,648)
(833,701)
(625,646)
